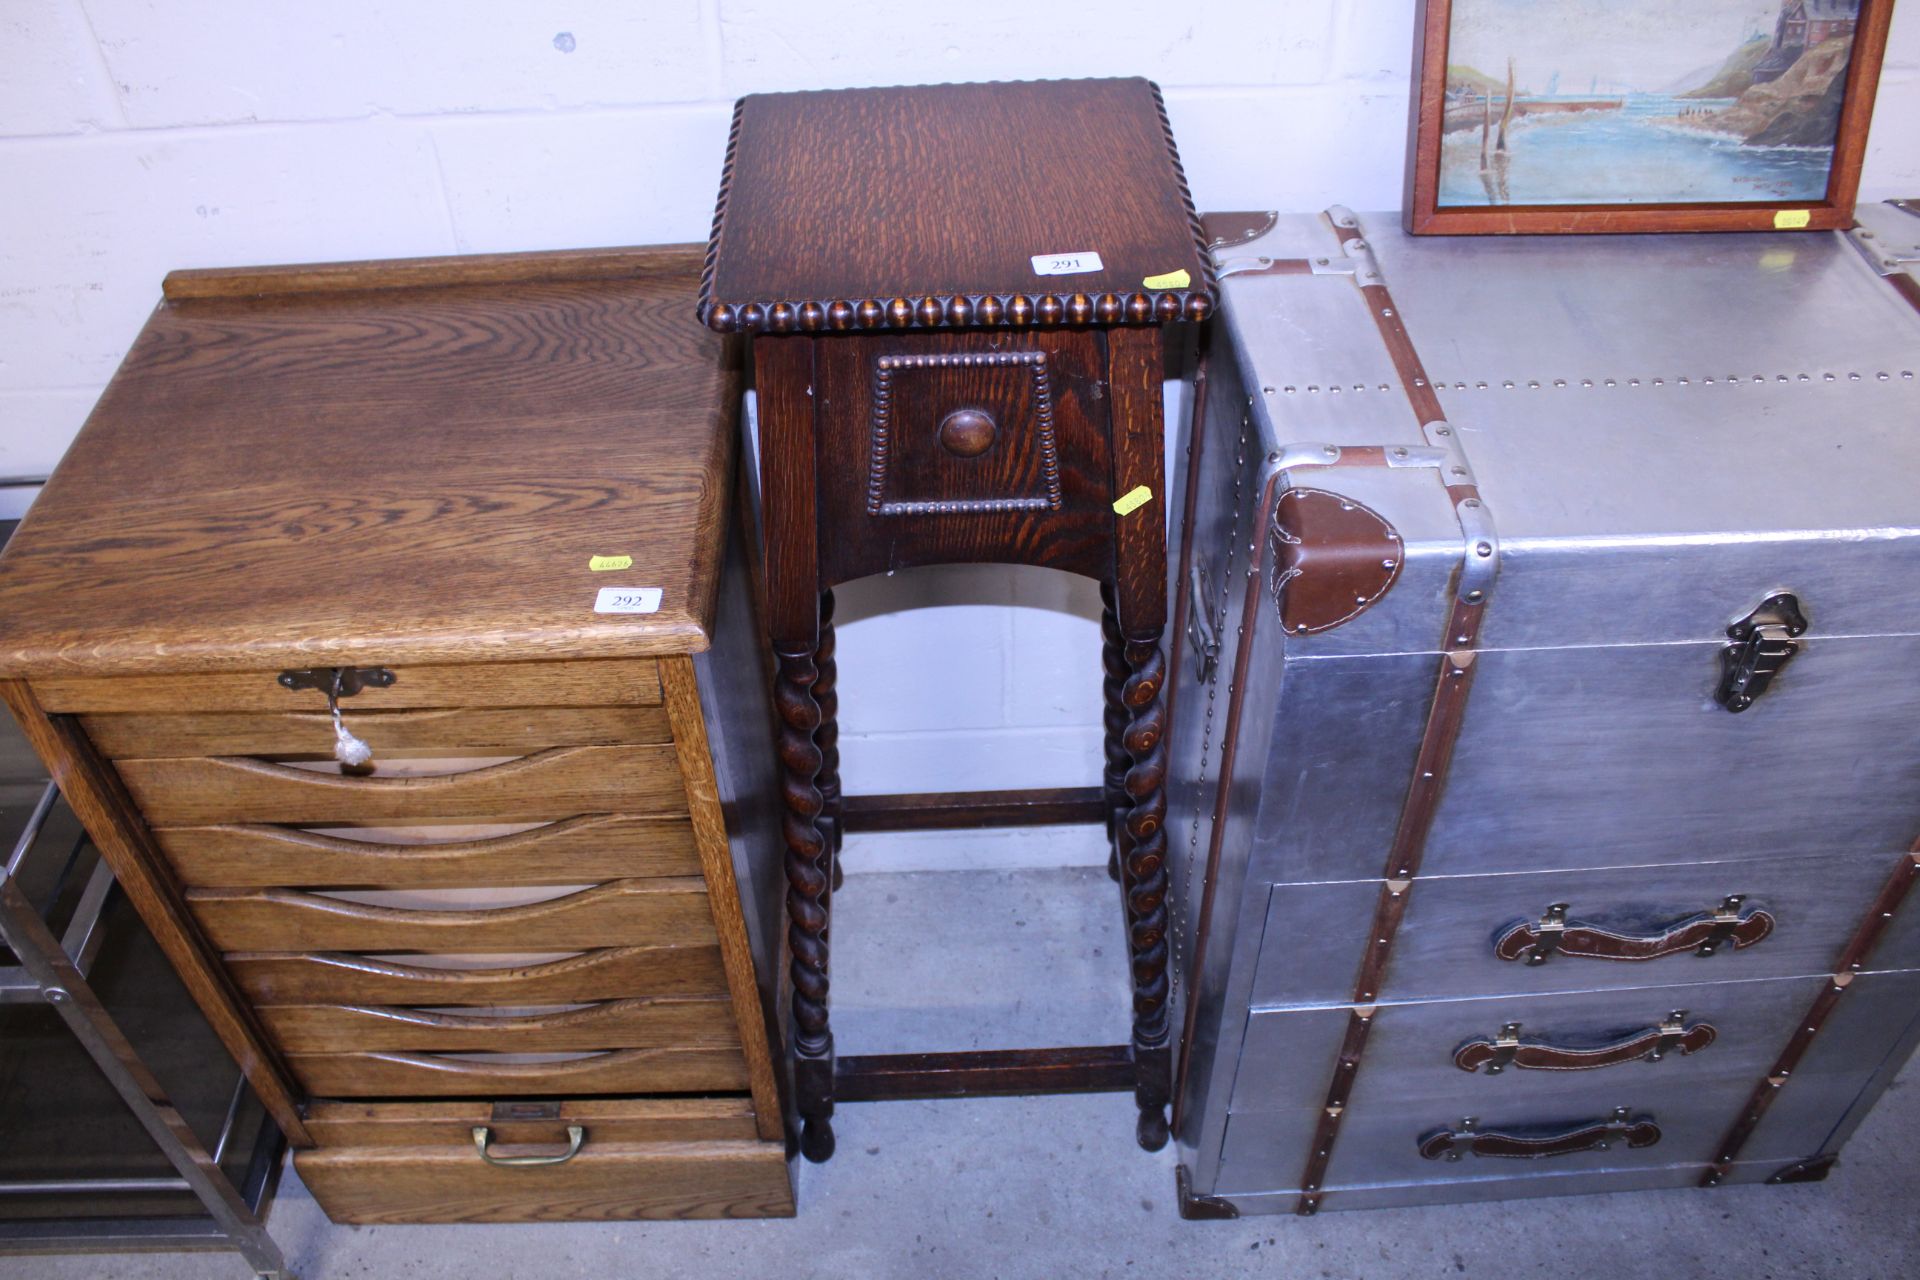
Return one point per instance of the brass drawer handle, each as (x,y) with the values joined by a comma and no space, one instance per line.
(576,1135)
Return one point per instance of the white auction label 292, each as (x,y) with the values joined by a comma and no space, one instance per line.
(627,600)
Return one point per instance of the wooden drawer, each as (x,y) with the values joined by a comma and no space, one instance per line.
(384,1125)
(590,683)
(658,1158)
(651,1023)
(391,733)
(668,909)
(411,978)
(480,1075)
(591,847)
(559,783)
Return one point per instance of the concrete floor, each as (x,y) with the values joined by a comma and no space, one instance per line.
(1055,1187)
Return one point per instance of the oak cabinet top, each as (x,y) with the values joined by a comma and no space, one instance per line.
(949,206)
(409,462)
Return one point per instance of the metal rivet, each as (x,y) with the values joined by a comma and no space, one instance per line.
(1290,390)
(1586,382)
(56,995)
(1268,390)
(1483,549)
(1459,471)
(1559,382)
(1472,504)
(1400,452)
(1329,450)
(1883,377)
(1475,597)
(1389,564)
(1443,431)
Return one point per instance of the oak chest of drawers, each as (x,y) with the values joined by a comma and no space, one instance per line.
(1546,766)
(506,968)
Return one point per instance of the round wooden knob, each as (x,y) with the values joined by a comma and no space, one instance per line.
(967,433)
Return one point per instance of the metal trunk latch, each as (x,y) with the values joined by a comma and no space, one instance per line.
(1552,927)
(1760,646)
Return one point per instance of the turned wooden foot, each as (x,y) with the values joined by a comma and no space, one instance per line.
(1143,860)
(808,895)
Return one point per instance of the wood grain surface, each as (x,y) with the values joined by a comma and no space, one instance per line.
(967,509)
(391,475)
(482,1075)
(629,681)
(723,891)
(614,1182)
(603,973)
(620,912)
(613,1024)
(923,207)
(552,784)
(450,1124)
(600,846)
(665,263)
(390,733)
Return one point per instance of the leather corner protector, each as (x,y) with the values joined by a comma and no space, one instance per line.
(1200,1208)
(1333,559)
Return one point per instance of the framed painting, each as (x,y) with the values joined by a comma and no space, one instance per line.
(1557,116)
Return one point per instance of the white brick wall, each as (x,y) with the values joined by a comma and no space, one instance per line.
(137,136)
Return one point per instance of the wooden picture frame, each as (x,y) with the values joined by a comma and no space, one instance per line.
(1430,212)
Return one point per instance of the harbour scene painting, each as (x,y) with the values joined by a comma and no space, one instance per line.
(1610,102)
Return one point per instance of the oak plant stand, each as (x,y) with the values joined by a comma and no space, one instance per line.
(956,297)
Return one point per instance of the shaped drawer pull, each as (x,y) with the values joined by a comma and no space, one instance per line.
(1508,1050)
(1703,934)
(1535,1142)
(482,1136)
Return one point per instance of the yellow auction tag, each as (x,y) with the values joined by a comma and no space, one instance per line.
(601,564)
(1132,500)
(1169,280)
(1791,219)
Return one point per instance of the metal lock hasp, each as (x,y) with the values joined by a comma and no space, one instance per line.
(1760,646)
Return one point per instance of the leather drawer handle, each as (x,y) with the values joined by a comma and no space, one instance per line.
(1535,1144)
(1508,1050)
(576,1136)
(1703,934)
